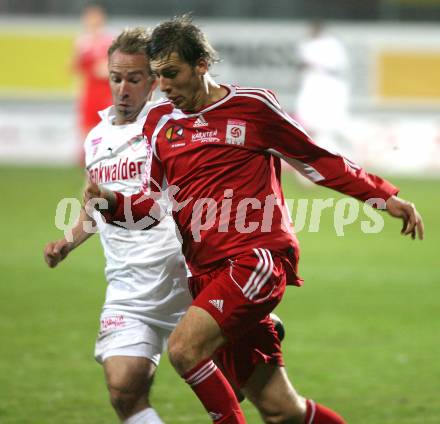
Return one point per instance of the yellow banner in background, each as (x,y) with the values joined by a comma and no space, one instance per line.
(407,74)
(36,64)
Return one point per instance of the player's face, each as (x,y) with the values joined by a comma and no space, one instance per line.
(131,85)
(182,83)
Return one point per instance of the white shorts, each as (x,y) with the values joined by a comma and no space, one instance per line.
(123,336)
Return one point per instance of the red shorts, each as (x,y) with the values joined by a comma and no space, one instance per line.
(240,296)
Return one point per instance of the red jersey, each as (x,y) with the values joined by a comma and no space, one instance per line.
(225,160)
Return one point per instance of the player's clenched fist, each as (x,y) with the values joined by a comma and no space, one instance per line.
(56,251)
(97,198)
(92,191)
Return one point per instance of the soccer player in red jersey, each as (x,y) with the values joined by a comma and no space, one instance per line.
(218,149)
(90,63)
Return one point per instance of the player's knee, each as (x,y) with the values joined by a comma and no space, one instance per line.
(185,354)
(182,355)
(125,403)
(128,396)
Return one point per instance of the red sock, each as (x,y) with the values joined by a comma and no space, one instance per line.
(215,393)
(319,414)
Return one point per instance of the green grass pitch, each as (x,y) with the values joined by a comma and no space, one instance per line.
(362,334)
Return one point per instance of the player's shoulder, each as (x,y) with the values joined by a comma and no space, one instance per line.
(156,110)
(101,126)
(95,133)
(159,108)
(260,97)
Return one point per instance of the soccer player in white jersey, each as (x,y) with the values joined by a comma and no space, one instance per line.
(146,273)
(323,95)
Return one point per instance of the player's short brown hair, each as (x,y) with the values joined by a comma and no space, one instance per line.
(131,41)
(179,35)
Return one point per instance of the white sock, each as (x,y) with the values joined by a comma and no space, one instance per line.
(146,416)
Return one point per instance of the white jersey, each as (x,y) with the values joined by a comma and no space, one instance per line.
(145,270)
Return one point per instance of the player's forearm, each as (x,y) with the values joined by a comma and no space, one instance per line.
(319,165)
(356,182)
(84,228)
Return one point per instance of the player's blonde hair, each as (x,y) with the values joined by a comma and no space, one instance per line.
(132,41)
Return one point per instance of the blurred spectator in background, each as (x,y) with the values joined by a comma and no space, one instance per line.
(322,101)
(90,62)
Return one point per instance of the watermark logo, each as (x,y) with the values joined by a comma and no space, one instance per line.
(244,215)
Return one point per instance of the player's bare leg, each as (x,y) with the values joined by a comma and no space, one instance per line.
(190,347)
(270,390)
(196,337)
(129,381)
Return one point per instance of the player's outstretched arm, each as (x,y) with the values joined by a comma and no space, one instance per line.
(56,251)
(139,211)
(412,220)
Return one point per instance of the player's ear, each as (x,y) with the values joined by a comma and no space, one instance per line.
(202,66)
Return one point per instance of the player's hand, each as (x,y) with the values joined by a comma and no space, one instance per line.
(92,191)
(412,221)
(56,251)
(98,198)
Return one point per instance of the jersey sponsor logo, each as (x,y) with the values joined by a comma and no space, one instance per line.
(217,303)
(205,137)
(122,170)
(136,142)
(214,415)
(235,132)
(174,133)
(200,122)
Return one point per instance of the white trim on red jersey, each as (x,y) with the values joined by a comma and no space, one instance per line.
(264,92)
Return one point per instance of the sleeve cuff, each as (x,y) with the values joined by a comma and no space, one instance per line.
(118,213)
